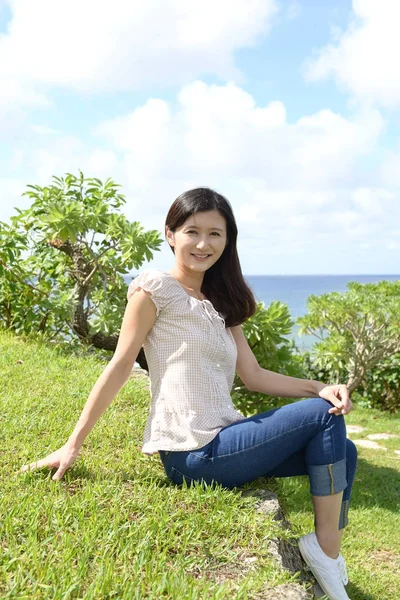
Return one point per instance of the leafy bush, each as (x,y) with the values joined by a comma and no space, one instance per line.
(266,334)
(63,261)
(359,340)
(357,329)
(381,387)
(313,369)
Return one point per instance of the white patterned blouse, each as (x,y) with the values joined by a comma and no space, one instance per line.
(191,358)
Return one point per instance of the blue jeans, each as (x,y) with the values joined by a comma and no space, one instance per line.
(301,438)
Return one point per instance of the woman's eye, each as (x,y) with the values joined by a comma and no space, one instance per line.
(192,231)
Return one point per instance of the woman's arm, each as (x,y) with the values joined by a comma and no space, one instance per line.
(139,318)
(257,379)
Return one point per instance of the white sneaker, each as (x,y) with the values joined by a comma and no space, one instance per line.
(318,593)
(343,570)
(327,571)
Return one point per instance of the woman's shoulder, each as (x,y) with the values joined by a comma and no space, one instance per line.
(159,283)
(153,273)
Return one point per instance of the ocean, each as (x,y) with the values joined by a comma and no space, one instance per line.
(294,290)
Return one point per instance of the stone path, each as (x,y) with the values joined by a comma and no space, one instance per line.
(354,428)
(370,441)
(369,444)
(381,436)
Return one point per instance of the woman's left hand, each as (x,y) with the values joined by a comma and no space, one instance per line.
(339,396)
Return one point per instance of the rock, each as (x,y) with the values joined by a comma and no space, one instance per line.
(381,436)
(140,375)
(354,428)
(138,370)
(285,552)
(268,504)
(369,444)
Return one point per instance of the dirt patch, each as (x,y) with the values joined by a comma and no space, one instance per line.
(386,557)
(220,573)
(286,591)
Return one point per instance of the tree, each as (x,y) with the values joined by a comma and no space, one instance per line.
(357,330)
(63,261)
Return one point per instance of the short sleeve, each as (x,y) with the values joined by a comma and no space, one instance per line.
(153,282)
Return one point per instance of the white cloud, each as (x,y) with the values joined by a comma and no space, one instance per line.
(393,245)
(363,59)
(101,163)
(44,130)
(221,132)
(390,169)
(11,190)
(57,155)
(16,159)
(292,185)
(16,100)
(372,201)
(17,92)
(95,45)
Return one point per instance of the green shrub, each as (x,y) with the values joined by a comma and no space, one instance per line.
(381,388)
(357,330)
(63,262)
(266,333)
(358,341)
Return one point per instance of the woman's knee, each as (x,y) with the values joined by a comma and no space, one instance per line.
(321,407)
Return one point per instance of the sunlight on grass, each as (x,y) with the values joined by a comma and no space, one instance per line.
(371,540)
(115,527)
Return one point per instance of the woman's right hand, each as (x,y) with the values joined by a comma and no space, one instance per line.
(61,459)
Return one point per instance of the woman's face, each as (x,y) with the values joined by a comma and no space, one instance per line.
(203,233)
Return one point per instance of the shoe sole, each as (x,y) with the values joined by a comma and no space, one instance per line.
(319,592)
(306,557)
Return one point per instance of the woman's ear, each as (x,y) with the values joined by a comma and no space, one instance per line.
(170,236)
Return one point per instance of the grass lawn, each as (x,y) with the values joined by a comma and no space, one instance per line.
(115,527)
(371,543)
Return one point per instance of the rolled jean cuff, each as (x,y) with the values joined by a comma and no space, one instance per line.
(326,480)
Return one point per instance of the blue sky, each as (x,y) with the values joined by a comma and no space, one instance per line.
(290,109)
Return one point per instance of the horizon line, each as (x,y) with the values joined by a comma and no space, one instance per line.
(323,275)
(308,274)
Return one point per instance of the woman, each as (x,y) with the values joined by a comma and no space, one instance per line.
(189,321)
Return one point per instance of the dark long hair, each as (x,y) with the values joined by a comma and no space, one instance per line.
(223,283)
